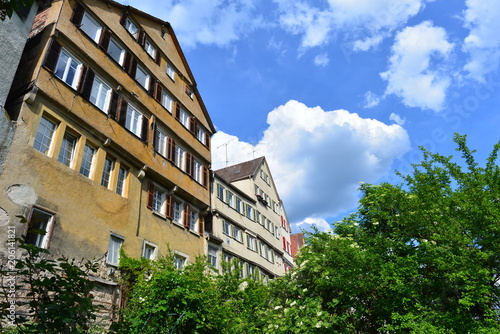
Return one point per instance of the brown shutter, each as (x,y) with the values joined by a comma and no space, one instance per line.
(155,140)
(186,216)
(152,87)
(77,15)
(158,91)
(85,86)
(53,56)
(207,140)
(205,176)
(201,225)
(141,38)
(151,193)
(171,149)
(177,111)
(189,164)
(157,56)
(113,107)
(144,130)
(130,64)
(123,19)
(105,37)
(168,206)
(122,111)
(192,125)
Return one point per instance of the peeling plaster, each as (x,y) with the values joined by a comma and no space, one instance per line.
(4,217)
(22,194)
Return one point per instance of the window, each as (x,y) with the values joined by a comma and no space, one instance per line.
(116,51)
(239,205)
(250,270)
(184,118)
(189,92)
(180,261)
(201,135)
(177,208)
(170,71)
(87,160)
(198,172)
(226,227)
(237,233)
(161,141)
(159,197)
(150,49)
(230,199)
(212,256)
(100,95)
(249,212)
(90,26)
(122,177)
(251,242)
(40,228)
(179,157)
(193,220)
(149,251)
(220,192)
(115,243)
(67,150)
(131,28)
(44,135)
(133,120)
(142,77)
(166,100)
(106,173)
(68,69)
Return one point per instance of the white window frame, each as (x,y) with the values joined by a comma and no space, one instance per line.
(213,256)
(180,153)
(131,27)
(143,79)
(197,171)
(121,181)
(226,228)
(44,137)
(251,241)
(237,233)
(177,211)
(71,64)
(180,260)
(170,71)
(220,191)
(150,48)
(184,118)
(114,246)
(166,100)
(90,167)
(40,240)
(230,199)
(146,250)
(100,94)
(120,58)
(67,149)
(133,120)
(193,220)
(107,173)
(95,28)
(161,141)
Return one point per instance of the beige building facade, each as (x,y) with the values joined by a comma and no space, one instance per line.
(111,147)
(249,221)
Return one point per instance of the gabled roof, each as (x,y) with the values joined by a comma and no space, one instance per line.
(240,171)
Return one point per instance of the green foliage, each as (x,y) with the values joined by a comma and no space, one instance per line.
(164,299)
(59,292)
(7,7)
(422,257)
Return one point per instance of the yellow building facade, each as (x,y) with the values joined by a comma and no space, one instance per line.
(112,140)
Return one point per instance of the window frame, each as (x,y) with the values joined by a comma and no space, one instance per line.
(91,19)
(44,142)
(64,76)
(121,57)
(150,245)
(107,172)
(121,181)
(112,252)
(107,92)
(40,240)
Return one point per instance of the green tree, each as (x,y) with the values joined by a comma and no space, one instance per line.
(420,257)
(7,7)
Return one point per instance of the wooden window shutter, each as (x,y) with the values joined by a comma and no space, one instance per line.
(157,57)
(207,140)
(189,164)
(171,149)
(177,111)
(205,176)
(122,111)
(130,64)
(77,15)
(151,193)
(53,55)
(155,140)
(152,87)
(193,125)
(123,19)
(144,130)
(86,82)
(113,107)
(105,38)
(141,38)
(201,225)
(186,216)
(158,90)
(168,206)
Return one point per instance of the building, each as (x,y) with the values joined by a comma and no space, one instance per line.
(249,222)
(111,140)
(297,241)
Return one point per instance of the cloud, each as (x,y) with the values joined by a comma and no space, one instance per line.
(308,224)
(321,60)
(317,158)
(210,22)
(371,100)
(412,75)
(367,22)
(482,17)
(397,119)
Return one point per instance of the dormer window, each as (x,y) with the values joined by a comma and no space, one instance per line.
(131,28)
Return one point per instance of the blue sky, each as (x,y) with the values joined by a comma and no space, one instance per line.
(339,92)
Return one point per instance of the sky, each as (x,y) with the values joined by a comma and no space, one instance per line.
(335,93)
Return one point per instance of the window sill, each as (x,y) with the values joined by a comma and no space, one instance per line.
(194,232)
(159,214)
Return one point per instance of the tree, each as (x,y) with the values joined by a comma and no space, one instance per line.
(420,257)
(7,7)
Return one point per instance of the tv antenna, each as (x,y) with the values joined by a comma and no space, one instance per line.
(225,145)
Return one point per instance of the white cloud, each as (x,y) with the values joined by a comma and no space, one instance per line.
(318,157)
(308,223)
(217,22)
(397,119)
(367,22)
(371,100)
(482,17)
(321,60)
(411,75)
